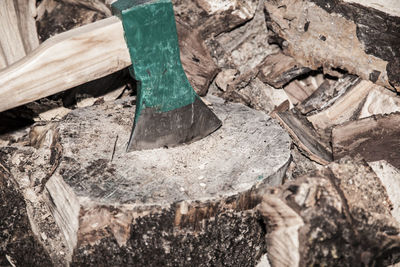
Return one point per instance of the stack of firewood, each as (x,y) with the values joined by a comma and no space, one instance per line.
(326,71)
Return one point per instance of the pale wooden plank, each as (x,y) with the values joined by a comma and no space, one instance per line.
(65,61)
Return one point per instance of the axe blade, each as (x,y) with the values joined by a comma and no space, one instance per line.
(167,129)
(168,110)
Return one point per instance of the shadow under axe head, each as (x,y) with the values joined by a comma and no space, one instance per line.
(168,110)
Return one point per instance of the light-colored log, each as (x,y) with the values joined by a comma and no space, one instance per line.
(26,11)
(10,37)
(65,61)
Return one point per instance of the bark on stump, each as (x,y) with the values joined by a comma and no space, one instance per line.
(19,244)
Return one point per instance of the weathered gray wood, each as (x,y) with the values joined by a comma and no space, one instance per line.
(374,138)
(338,216)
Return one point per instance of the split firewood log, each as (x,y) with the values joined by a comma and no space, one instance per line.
(358,36)
(18,35)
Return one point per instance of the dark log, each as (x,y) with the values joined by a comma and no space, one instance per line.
(374,138)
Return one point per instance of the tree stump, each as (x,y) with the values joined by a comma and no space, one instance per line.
(187,205)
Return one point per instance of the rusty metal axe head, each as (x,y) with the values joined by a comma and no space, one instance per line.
(168,110)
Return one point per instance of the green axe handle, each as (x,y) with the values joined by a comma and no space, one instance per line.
(168,111)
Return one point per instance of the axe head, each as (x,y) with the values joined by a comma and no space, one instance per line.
(168,110)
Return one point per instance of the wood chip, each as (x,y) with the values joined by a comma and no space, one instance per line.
(380,101)
(326,94)
(296,92)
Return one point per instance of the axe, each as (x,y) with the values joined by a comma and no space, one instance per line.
(143,35)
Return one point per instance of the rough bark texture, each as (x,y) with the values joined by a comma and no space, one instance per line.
(333,34)
(19,244)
